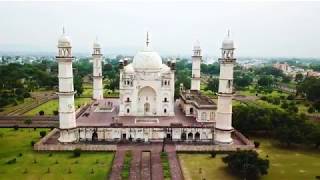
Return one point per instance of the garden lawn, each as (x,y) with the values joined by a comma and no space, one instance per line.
(14,142)
(53,105)
(285,164)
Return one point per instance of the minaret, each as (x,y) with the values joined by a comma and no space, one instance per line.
(97,72)
(196,65)
(67,118)
(224,112)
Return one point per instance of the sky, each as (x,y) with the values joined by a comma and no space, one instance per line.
(266,29)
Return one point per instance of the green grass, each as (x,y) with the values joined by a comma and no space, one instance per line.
(288,164)
(53,105)
(14,142)
(199,166)
(165,166)
(125,172)
(9,108)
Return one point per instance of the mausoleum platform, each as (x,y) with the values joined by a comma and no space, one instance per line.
(92,117)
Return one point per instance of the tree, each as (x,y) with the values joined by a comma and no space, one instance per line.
(265,81)
(43,134)
(247,164)
(299,77)
(78,81)
(242,81)
(286,79)
(213,84)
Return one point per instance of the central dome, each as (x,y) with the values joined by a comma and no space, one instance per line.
(147,59)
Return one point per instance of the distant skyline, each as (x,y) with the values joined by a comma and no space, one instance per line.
(267,29)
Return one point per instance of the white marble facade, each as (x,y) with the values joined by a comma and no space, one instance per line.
(146,85)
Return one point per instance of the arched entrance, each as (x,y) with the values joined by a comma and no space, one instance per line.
(190,136)
(147,101)
(146,108)
(197,136)
(94,136)
(183,136)
(191,110)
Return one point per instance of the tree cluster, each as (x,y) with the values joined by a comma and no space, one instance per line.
(17,80)
(247,164)
(288,128)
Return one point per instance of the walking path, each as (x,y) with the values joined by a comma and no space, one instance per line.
(146,162)
(117,165)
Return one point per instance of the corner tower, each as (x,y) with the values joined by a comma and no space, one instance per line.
(196,65)
(67,117)
(97,72)
(223,127)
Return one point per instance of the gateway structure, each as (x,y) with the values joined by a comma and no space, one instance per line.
(146,109)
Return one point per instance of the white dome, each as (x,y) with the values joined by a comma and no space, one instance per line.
(165,68)
(128,68)
(64,41)
(147,59)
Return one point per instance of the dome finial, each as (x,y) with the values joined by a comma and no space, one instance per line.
(148,40)
(63,30)
(228,33)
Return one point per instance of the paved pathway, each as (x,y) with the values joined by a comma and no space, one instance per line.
(117,165)
(145,165)
(135,165)
(175,169)
(146,162)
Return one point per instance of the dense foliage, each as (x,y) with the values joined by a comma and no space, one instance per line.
(247,164)
(17,80)
(286,127)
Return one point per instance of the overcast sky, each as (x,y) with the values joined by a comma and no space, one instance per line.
(259,29)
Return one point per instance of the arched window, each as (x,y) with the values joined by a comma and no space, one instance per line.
(190,135)
(197,136)
(183,136)
(165,99)
(128,99)
(203,116)
(168,82)
(165,82)
(165,110)
(128,110)
(191,110)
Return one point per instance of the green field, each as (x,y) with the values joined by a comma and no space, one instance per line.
(53,105)
(286,164)
(13,143)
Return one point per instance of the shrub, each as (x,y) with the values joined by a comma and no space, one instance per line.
(26,95)
(16,127)
(284,105)
(311,110)
(213,154)
(11,161)
(256,144)
(41,113)
(43,134)
(264,98)
(77,152)
(290,97)
(20,154)
(32,143)
(28,121)
(55,112)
